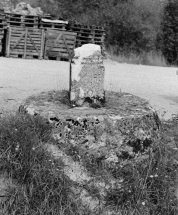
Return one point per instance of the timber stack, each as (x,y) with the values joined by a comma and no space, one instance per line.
(22,20)
(48,23)
(17,39)
(87,34)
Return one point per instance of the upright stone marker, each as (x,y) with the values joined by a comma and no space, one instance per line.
(87,76)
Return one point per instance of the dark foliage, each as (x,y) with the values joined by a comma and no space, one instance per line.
(131,26)
(169,35)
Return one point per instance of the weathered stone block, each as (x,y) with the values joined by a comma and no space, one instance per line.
(87,79)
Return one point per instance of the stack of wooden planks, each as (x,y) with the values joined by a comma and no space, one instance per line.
(99,36)
(28,36)
(59,45)
(22,20)
(88,34)
(2,32)
(25,42)
(46,23)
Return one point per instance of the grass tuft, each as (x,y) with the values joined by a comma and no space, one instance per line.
(150,59)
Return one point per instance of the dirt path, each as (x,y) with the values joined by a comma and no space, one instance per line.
(20,78)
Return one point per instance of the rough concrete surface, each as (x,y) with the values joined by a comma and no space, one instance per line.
(123,129)
(21,78)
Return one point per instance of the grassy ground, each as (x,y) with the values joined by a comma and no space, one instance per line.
(151,59)
(150,186)
(41,187)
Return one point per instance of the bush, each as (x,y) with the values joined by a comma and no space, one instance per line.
(150,58)
(133,28)
(169,34)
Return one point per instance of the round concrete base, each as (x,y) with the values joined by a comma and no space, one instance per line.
(121,131)
(123,127)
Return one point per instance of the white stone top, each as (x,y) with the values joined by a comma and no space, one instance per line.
(81,52)
(86,50)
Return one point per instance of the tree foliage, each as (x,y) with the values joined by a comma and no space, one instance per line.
(131,25)
(169,37)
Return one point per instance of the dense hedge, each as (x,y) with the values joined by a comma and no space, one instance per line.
(169,36)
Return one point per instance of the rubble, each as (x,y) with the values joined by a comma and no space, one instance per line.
(26,9)
(21,8)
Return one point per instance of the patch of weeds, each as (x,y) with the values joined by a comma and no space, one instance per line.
(151,59)
(89,161)
(65,98)
(41,186)
(20,137)
(94,165)
(92,190)
(45,190)
(148,183)
(74,152)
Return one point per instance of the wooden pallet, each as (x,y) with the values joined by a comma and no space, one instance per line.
(44,25)
(59,44)
(80,26)
(22,20)
(88,34)
(2,21)
(85,28)
(21,56)
(47,25)
(25,42)
(45,17)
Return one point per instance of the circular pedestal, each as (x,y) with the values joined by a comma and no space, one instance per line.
(90,139)
(122,128)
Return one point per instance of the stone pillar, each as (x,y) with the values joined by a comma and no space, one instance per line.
(87,76)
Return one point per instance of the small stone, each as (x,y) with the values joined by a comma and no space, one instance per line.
(30,111)
(79,102)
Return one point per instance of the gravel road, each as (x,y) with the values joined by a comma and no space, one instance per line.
(20,78)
